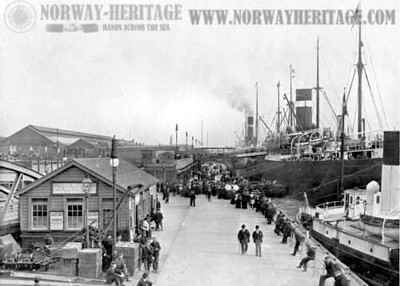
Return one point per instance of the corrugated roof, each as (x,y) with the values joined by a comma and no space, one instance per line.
(50,132)
(127,174)
(183,163)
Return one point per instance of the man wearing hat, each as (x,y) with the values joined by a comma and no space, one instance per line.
(244,238)
(258,239)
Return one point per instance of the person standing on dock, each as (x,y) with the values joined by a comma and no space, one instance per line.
(279,223)
(244,238)
(258,239)
(192,195)
(286,230)
(208,190)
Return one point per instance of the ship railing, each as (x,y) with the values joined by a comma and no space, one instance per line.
(330,205)
(329,210)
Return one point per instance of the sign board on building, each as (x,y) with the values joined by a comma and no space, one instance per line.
(72,189)
(56,220)
(93,219)
(303,94)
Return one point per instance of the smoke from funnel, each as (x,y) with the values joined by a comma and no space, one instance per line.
(237,99)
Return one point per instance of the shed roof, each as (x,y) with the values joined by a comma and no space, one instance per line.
(127,174)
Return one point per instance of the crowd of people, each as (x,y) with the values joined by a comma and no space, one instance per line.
(242,196)
(149,248)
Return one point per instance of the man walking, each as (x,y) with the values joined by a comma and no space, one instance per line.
(192,198)
(258,239)
(244,238)
(147,256)
(158,218)
(156,247)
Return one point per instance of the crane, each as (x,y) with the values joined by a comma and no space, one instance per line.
(265,124)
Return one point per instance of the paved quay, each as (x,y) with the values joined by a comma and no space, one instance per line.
(200,247)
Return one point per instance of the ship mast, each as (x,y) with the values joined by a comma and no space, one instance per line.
(317,87)
(278,123)
(341,181)
(360,67)
(256,138)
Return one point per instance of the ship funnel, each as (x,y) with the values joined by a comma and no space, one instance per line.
(391,173)
(249,136)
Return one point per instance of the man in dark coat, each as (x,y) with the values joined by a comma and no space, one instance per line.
(158,218)
(156,247)
(286,230)
(147,256)
(270,213)
(279,223)
(258,239)
(192,195)
(244,239)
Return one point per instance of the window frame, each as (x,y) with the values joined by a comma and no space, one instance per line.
(74,201)
(44,202)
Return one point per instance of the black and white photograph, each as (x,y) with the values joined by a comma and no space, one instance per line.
(202,143)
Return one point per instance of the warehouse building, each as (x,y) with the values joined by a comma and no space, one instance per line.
(41,142)
(55,204)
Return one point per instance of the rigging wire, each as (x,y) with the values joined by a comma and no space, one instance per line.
(330,106)
(374,102)
(377,88)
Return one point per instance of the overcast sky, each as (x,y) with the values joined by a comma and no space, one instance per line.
(139,84)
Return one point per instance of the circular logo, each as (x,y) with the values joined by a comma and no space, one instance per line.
(20,16)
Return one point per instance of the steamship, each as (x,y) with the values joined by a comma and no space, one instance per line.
(363,229)
(305,156)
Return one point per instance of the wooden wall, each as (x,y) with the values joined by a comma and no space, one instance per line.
(96,202)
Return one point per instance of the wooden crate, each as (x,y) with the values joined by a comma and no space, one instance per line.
(90,262)
(131,254)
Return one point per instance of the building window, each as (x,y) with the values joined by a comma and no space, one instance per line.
(377,199)
(107,217)
(39,214)
(74,214)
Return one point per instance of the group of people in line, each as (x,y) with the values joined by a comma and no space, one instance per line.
(286,228)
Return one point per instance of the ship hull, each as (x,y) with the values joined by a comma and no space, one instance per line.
(382,273)
(317,178)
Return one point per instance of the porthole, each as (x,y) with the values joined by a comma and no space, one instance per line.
(371,250)
(349,242)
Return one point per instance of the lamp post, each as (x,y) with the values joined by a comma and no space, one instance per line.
(114,162)
(86,182)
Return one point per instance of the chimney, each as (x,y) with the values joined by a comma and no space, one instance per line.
(390,172)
